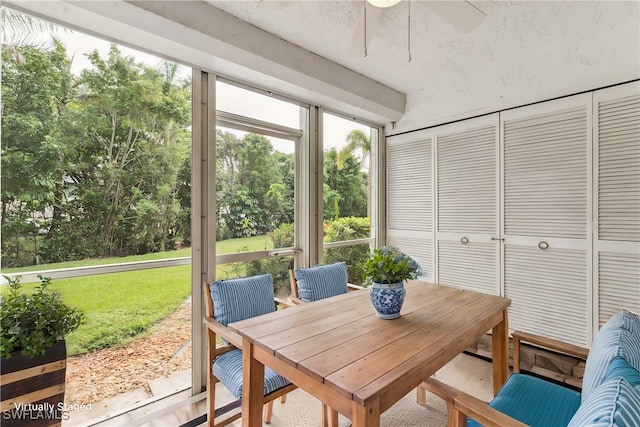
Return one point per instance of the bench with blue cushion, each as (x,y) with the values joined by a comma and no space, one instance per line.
(610,389)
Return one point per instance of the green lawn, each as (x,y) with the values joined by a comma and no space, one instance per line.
(120,306)
(254,243)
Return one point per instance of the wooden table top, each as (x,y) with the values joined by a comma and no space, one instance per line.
(341,343)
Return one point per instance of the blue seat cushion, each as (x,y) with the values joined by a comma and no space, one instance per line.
(535,402)
(620,336)
(228,369)
(239,299)
(321,282)
(619,367)
(613,403)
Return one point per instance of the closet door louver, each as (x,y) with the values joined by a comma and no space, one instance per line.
(546,214)
(467,205)
(547,291)
(617,162)
(410,197)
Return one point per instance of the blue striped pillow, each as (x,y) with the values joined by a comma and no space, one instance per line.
(615,403)
(621,368)
(620,336)
(321,282)
(239,299)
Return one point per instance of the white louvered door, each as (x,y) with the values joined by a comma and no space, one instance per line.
(467,244)
(547,217)
(410,197)
(617,203)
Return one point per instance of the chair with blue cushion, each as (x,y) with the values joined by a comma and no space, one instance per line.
(610,395)
(229,301)
(317,283)
(320,282)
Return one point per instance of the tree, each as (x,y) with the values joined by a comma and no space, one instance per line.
(253,195)
(35,94)
(356,141)
(99,162)
(19,30)
(132,144)
(348,186)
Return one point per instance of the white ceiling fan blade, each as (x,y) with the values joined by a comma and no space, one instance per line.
(461,14)
(357,47)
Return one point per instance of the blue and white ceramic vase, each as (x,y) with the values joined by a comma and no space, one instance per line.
(387,299)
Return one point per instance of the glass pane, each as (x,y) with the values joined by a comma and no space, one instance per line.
(255,192)
(96,166)
(247,103)
(346,189)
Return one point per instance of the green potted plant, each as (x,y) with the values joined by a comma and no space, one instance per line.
(33,352)
(386,270)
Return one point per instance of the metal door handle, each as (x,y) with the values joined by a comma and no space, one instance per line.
(464,240)
(543,245)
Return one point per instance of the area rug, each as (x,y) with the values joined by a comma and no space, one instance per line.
(468,373)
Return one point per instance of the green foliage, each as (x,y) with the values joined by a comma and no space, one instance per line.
(254,186)
(34,322)
(282,237)
(348,228)
(346,187)
(278,268)
(357,140)
(99,164)
(389,265)
(104,154)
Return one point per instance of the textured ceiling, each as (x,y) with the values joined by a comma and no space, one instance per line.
(441,54)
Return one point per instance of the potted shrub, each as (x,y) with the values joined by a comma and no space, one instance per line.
(386,270)
(33,353)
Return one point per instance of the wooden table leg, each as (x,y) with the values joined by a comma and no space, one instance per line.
(500,353)
(366,416)
(252,387)
(329,417)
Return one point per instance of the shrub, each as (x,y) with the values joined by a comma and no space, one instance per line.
(34,322)
(348,228)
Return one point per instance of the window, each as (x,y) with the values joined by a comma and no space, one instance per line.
(347,195)
(96,172)
(256,189)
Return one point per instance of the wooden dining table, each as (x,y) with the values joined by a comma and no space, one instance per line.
(339,351)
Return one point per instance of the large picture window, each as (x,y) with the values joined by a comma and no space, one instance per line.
(96,142)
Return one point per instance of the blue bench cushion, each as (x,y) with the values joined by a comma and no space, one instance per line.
(535,402)
(614,403)
(619,367)
(321,282)
(228,369)
(620,336)
(239,299)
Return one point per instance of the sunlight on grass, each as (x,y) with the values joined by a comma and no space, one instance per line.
(122,305)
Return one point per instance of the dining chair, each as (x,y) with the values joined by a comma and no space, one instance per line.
(320,282)
(316,283)
(229,301)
